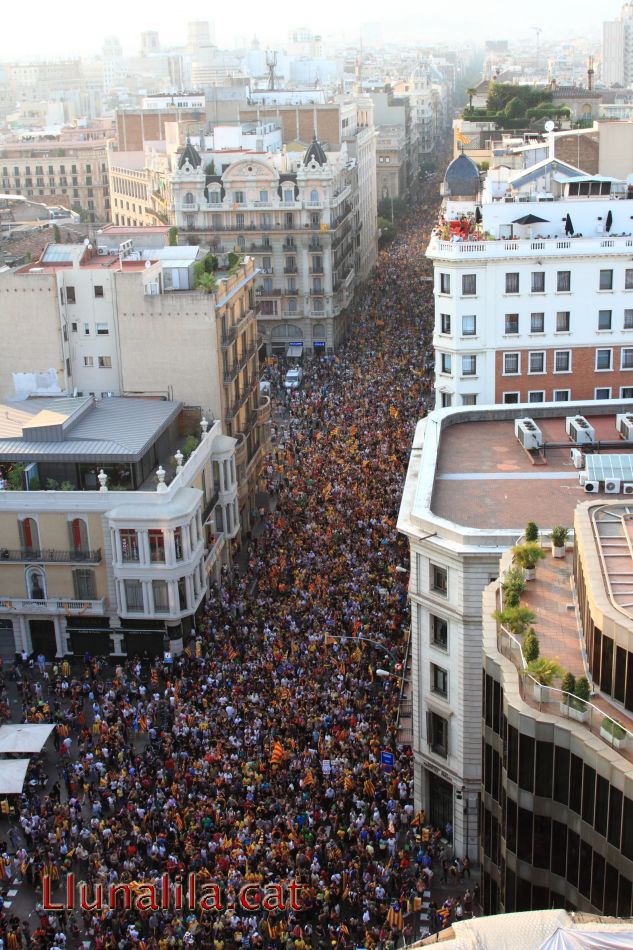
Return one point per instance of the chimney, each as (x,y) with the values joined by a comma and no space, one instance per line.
(590,72)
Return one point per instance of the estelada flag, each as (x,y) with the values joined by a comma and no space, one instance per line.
(277,754)
(308,780)
(233,653)
(395,917)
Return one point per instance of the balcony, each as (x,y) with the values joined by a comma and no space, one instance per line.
(291,270)
(315,246)
(265,292)
(240,449)
(52,605)
(213,550)
(316,270)
(291,292)
(208,508)
(239,364)
(50,556)
(559,247)
(263,410)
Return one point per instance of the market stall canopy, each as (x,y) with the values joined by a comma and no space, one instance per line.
(24,737)
(295,349)
(12,775)
(531,219)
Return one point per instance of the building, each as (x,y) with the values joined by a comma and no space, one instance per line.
(391,163)
(124,318)
(533,280)
(470,490)
(110,538)
(617,49)
(298,214)
(137,126)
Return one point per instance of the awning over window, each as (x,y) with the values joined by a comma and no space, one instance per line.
(295,349)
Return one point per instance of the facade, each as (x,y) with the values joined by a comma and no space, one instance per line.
(391,163)
(470,490)
(298,215)
(123,319)
(532,302)
(117,554)
(137,126)
(617,49)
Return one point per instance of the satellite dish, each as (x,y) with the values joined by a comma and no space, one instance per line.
(549,126)
(148,264)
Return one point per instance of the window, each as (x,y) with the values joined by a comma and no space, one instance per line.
(182,593)
(628,320)
(439,680)
(36,584)
(437,733)
(98,290)
(102,329)
(563,321)
(603,359)
(447,400)
(178,544)
(70,295)
(538,282)
(511,364)
(561,395)
(73,327)
(88,361)
(628,279)
(160,592)
(626,392)
(439,632)
(86,329)
(446,362)
(604,319)
(156,545)
(606,280)
(84,584)
(626,357)
(263,196)
(78,535)
(445,283)
(238,197)
(469,399)
(29,535)
(105,362)
(469,325)
(563,281)
(445,323)
(562,361)
(511,398)
(537,362)
(439,579)
(537,323)
(536,395)
(512,283)
(469,285)
(469,365)
(512,322)
(133,596)
(602,392)
(129,544)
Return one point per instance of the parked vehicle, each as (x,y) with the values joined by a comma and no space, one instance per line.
(293,378)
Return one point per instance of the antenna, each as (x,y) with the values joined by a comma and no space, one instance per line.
(271,62)
(590,74)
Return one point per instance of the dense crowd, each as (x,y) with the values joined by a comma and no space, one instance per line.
(255,756)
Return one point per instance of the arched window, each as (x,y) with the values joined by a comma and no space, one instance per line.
(314,195)
(318,331)
(29,535)
(36,583)
(292,306)
(295,332)
(78,535)
(189,199)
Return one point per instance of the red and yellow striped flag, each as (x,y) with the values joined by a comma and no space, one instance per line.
(395,917)
(308,780)
(179,823)
(233,653)
(348,783)
(277,754)
(369,788)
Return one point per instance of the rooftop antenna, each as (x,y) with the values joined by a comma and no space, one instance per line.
(538,31)
(271,62)
(590,73)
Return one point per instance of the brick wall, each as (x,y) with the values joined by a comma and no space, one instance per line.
(582,151)
(582,380)
(299,123)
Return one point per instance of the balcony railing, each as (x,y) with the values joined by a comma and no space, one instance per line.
(51,605)
(291,270)
(239,363)
(48,555)
(560,247)
(208,508)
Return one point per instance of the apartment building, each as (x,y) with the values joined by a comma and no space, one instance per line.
(470,490)
(65,170)
(298,216)
(110,535)
(125,319)
(533,285)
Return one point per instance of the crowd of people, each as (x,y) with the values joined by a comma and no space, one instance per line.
(255,756)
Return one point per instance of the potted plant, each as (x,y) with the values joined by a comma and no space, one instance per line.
(613,732)
(542,672)
(579,705)
(527,555)
(516,619)
(568,686)
(531,646)
(531,531)
(559,535)
(513,585)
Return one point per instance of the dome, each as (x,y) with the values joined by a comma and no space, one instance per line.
(189,154)
(314,152)
(462,178)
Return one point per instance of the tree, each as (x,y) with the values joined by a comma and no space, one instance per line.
(527,555)
(387,206)
(545,671)
(470,92)
(209,168)
(514,108)
(387,230)
(57,234)
(531,646)
(173,237)
(210,262)
(205,282)
(517,619)
(531,531)
(583,690)
(568,685)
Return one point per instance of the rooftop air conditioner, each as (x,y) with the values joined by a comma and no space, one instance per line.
(577,457)
(624,425)
(579,430)
(102,251)
(528,434)
(592,487)
(627,488)
(612,486)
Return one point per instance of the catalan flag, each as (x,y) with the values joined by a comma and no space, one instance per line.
(395,917)
(308,780)
(393,412)
(369,788)
(277,754)
(179,823)
(154,677)
(328,640)
(460,137)
(233,653)
(348,783)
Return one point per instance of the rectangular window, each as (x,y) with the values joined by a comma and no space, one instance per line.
(86,329)
(102,329)
(73,327)
(538,282)
(160,592)
(469,399)
(439,680)
(445,322)
(439,632)
(511,399)
(562,361)
(446,362)
(511,364)
(439,579)
(88,361)
(606,280)
(178,544)
(537,362)
(70,295)
(626,357)
(536,395)
(105,362)
(98,290)
(156,545)
(445,283)
(85,585)
(512,283)
(563,281)
(437,733)
(182,593)
(562,395)
(563,321)
(134,596)
(603,359)
(604,319)
(129,544)
(469,365)
(537,323)
(628,320)
(628,279)
(469,285)
(512,322)
(626,392)
(469,325)
(602,392)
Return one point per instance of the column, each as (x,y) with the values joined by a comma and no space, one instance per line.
(117,643)
(144,552)
(60,639)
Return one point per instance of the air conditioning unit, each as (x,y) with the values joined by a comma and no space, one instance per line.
(579,430)
(528,434)
(102,251)
(624,425)
(612,486)
(592,487)
(627,488)
(577,458)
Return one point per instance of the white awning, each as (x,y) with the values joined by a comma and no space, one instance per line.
(25,737)
(12,775)
(295,349)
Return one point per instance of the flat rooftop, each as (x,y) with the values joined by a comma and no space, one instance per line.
(613,532)
(484,479)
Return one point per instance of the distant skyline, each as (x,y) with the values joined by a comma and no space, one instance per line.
(52,32)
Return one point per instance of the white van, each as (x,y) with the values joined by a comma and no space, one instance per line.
(293,378)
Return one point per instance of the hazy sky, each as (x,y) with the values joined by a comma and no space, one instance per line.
(74,27)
